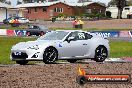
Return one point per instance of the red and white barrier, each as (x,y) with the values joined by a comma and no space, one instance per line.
(125,34)
(104,34)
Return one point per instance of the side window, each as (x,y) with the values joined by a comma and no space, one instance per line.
(35,27)
(73,34)
(78,35)
(88,36)
(81,36)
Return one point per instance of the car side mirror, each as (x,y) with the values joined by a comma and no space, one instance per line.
(70,39)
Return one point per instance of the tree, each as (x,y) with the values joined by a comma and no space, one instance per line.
(112,2)
(31,1)
(19,2)
(82,1)
(8,2)
(27,1)
(120,5)
(2,0)
(129,2)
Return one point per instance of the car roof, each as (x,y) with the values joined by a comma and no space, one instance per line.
(40,25)
(93,34)
(71,30)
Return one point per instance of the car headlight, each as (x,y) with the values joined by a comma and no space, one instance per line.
(36,47)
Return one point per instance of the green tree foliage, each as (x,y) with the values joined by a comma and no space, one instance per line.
(19,2)
(8,2)
(31,1)
(2,0)
(120,5)
(129,2)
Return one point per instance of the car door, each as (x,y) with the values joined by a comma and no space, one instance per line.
(76,47)
(88,44)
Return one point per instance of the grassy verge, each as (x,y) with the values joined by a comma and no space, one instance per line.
(5,47)
(117,48)
(23,27)
(7,26)
(120,49)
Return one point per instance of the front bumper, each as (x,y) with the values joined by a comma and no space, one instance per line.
(26,55)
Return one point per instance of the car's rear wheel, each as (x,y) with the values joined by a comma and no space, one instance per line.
(28,33)
(101,54)
(23,62)
(72,60)
(50,55)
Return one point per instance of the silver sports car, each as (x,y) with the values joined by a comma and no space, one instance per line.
(70,45)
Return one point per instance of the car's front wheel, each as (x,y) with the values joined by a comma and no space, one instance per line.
(72,60)
(41,33)
(101,54)
(23,62)
(50,55)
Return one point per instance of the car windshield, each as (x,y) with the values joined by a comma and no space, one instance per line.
(56,35)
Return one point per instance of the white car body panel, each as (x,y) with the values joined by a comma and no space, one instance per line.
(80,49)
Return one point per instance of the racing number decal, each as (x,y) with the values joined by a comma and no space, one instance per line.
(81,35)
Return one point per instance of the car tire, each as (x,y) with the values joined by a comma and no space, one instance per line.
(28,33)
(41,33)
(23,62)
(81,80)
(101,54)
(72,60)
(50,55)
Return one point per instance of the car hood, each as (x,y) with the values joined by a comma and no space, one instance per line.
(23,45)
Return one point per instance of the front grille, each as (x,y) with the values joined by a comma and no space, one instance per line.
(21,55)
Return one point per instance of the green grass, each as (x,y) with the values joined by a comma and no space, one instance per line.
(117,48)
(120,49)
(7,26)
(5,47)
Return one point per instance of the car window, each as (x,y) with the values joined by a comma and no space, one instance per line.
(33,27)
(56,35)
(16,17)
(42,27)
(81,36)
(78,36)
(88,36)
(23,18)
